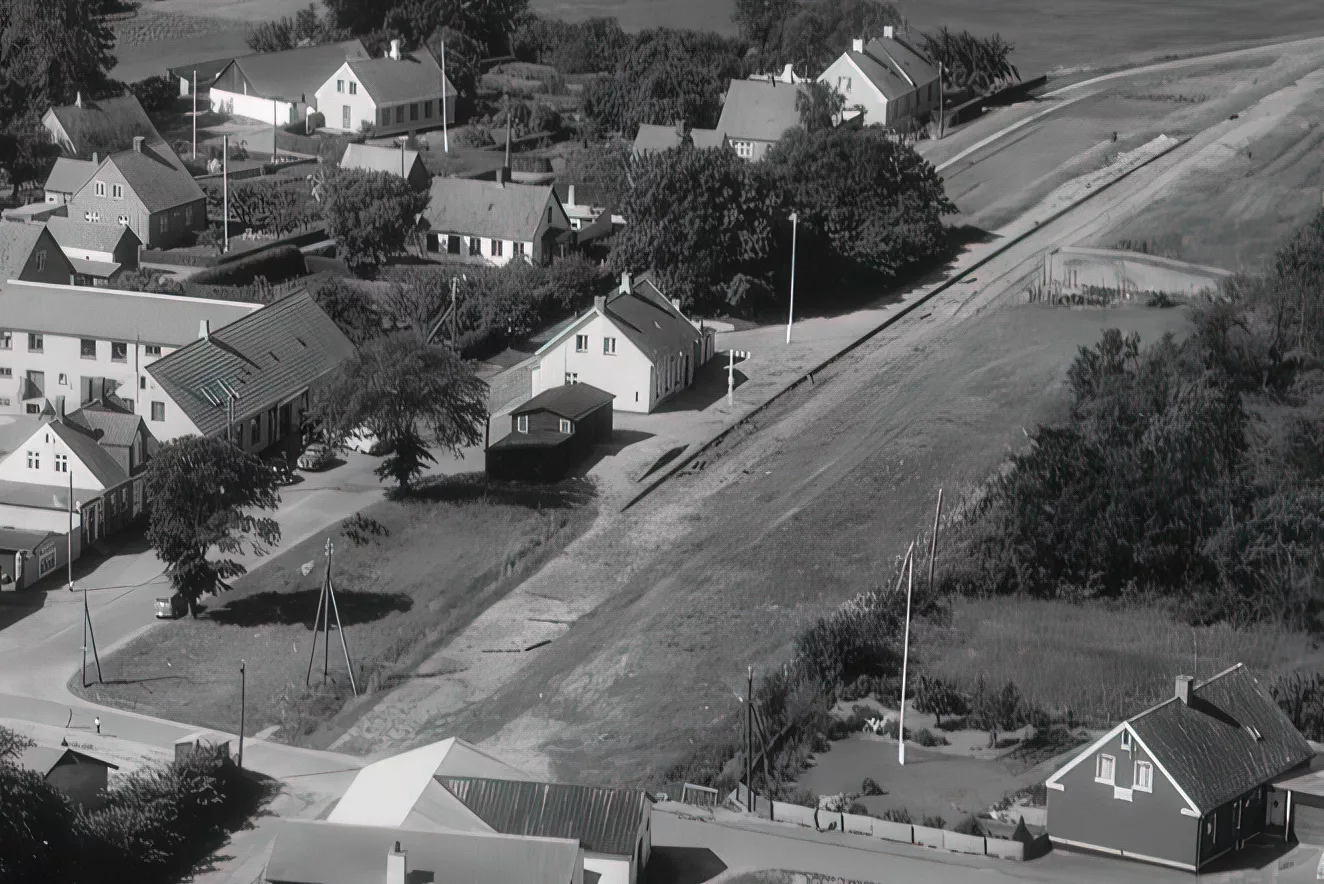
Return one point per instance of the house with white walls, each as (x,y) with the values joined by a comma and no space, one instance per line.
(493,222)
(397,93)
(278,87)
(99,253)
(634,343)
(886,79)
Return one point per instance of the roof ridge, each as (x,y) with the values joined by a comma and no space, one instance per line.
(1214,678)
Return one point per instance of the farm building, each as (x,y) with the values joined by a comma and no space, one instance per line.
(1185,781)
(551,433)
(396,93)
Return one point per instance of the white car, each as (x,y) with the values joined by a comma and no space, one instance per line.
(364,441)
(316,457)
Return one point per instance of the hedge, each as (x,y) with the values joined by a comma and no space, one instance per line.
(276,265)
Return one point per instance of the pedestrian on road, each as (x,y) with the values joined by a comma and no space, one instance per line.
(97,721)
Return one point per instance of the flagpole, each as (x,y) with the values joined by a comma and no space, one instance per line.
(225,189)
(905,659)
(195,114)
(445,137)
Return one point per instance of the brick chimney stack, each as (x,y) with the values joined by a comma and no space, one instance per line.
(138,143)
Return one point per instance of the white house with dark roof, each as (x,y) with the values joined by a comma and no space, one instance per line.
(756,114)
(278,87)
(634,343)
(147,189)
(408,164)
(86,343)
(98,252)
(493,222)
(885,79)
(396,93)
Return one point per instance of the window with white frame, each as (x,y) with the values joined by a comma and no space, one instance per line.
(1105,769)
(6,372)
(1143,780)
(4,400)
(572,377)
(152,350)
(34,460)
(158,411)
(117,191)
(496,248)
(36,342)
(581,343)
(6,340)
(744,149)
(566,426)
(1126,741)
(61,463)
(96,218)
(340,85)
(519,249)
(608,346)
(41,259)
(475,246)
(101,188)
(124,219)
(87,348)
(522,423)
(353,88)
(119,351)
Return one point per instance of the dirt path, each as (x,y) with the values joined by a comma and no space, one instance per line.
(666,604)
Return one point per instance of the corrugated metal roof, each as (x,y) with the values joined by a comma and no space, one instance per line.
(484,208)
(602,820)
(571,401)
(317,852)
(78,234)
(1206,745)
(265,357)
(69,175)
(758,110)
(296,74)
(414,76)
(110,314)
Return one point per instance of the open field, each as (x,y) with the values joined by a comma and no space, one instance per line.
(445,557)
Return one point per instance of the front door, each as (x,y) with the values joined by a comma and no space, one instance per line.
(344,114)
(1277,807)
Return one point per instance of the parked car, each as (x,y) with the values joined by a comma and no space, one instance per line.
(316,457)
(172,608)
(365,441)
(280,465)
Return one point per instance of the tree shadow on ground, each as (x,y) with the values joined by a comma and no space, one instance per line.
(300,608)
(682,865)
(475,487)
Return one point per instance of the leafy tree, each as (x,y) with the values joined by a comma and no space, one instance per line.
(272,36)
(819,105)
(809,34)
(464,56)
(27,154)
(996,710)
(488,22)
(36,828)
(938,697)
(600,172)
(147,279)
(49,50)
(351,309)
(862,197)
(412,396)
(698,218)
(595,45)
(371,215)
(206,493)
(977,64)
(157,94)
(762,23)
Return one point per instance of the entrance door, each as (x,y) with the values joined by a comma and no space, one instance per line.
(1277,807)
(92,522)
(344,114)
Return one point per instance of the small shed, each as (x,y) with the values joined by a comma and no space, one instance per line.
(203,740)
(23,554)
(80,776)
(551,433)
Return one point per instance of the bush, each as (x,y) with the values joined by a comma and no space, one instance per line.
(897,815)
(953,724)
(870,787)
(803,797)
(937,697)
(157,94)
(926,737)
(274,265)
(970,825)
(857,808)
(934,822)
(1301,697)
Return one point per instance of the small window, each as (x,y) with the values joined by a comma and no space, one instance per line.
(61,463)
(6,372)
(6,340)
(142,383)
(87,216)
(572,377)
(119,351)
(400,113)
(1143,780)
(124,219)
(117,191)
(353,88)
(608,346)
(101,188)
(1126,741)
(413,111)
(475,246)
(64,380)
(41,259)
(36,343)
(496,248)
(34,460)
(33,408)
(1105,769)
(519,249)
(46,563)
(164,223)
(254,431)
(96,217)
(340,85)
(566,427)
(385,114)
(87,348)
(427,109)
(581,343)
(158,411)
(152,350)
(522,423)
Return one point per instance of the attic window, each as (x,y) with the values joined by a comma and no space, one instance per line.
(1254,732)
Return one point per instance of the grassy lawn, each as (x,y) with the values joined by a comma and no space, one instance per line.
(1105,663)
(438,561)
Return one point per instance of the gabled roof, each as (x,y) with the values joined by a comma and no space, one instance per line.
(758,110)
(389,792)
(153,174)
(17,540)
(99,269)
(206,71)
(377,158)
(110,314)
(570,401)
(296,74)
(704,139)
(485,208)
(92,457)
(43,759)
(413,76)
(315,852)
(652,139)
(881,74)
(105,125)
(602,820)
(1229,738)
(16,244)
(645,316)
(110,426)
(79,234)
(261,358)
(69,175)
(906,59)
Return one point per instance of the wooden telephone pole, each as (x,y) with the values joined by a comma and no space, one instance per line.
(326,605)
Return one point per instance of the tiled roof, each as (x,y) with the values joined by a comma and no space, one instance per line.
(79,234)
(884,78)
(296,74)
(485,208)
(99,269)
(646,317)
(16,244)
(602,820)
(154,178)
(411,77)
(206,71)
(707,138)
(264,358)
(116,120)
(1207,745)
(318,852)
(43,759)
(69,175)
(100,462)
(906,57)
(109,314)
(116,428)
(532,439)
(571,401)
(653,138)
(758,110)
(376,158)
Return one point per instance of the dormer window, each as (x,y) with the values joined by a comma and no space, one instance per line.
(1254,732)
(522,423)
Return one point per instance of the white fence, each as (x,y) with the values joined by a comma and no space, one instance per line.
(904,833)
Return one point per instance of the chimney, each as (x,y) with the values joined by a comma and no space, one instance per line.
(888,33)
(857,44)
(1184,688)
(625,282)
(94,158)
(137,144)
(204,330)
(59,408)
(78,99)
(395,49)
(397,866)
(600,303)
(570,196)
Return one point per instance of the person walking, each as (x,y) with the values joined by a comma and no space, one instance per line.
(97,722)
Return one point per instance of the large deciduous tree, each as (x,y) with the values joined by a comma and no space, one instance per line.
(412,395)
(978,64)
(207,493)
(809,33)
(600,172)
(818,105)
(489,22)
(372,215)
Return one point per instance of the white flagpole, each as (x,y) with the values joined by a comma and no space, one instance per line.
(905,658)
(225,189)
(445,137)
(790,316)
(195,114)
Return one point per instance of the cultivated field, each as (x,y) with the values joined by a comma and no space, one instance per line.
(443,559)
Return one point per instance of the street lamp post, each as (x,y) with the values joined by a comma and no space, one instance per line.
(790,317)
(243,690)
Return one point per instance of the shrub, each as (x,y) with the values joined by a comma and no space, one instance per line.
(938,697)
(934,822)
(926,737)
(897,815)
(953,724)
(273,265)
(857,808)
(870,787)
(969,825)
(803,797)
(858,639)
(1301,697)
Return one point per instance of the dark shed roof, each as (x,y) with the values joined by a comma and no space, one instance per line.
(1207,745)
(602,820)
(571,401)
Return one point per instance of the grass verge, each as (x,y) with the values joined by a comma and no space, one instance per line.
(408,574)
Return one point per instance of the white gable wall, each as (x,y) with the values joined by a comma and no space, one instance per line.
(331,103)
(254,107)
(844,76)
(628,375)
(611,869)
(45,445)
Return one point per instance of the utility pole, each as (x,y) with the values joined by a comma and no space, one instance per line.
(749,739)
(195,114)
(403,142)
(243,690)
(88,633)
(225,190)
(445,138)
(905,658)
(274,127)
(933,545)
(790,317)
(942,124)
(326,605)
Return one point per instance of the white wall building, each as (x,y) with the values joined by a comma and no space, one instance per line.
(399,92)
(886,79)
